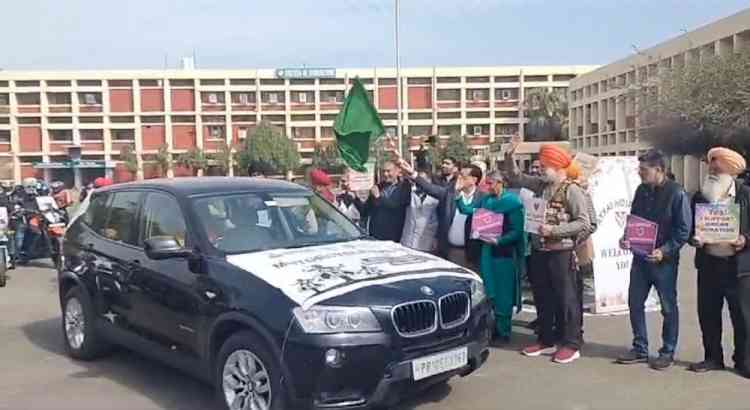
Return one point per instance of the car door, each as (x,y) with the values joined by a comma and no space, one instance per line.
(166,294)
(112,251)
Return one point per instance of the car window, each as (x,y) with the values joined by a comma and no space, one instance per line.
(121,225)
(162,216)
(96,213)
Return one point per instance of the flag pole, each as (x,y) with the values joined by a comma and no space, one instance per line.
(398,85)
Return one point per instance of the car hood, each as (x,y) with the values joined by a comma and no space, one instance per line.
(315,274)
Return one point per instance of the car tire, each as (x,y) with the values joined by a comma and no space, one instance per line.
(232,381)
(79,331)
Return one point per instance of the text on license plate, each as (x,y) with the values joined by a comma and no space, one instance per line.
(425,367)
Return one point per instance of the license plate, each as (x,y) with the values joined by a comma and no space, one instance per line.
(439,363)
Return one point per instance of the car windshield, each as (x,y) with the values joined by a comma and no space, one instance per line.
(241,223)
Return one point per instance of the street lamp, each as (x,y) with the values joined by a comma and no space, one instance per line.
(398,85)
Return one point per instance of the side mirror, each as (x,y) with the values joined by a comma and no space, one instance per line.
(165,247)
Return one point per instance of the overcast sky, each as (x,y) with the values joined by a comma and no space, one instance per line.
(87,34)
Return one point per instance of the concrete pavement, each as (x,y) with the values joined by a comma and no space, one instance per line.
(36,373)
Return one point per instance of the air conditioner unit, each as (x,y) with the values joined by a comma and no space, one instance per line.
(303,98)
(273,98)
(216,132)
(89,98)
(476,95)
(506,95)
(477,130)
(242,134)
(213,99)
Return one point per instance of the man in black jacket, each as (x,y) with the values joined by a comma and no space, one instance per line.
(718,264)
(454,228)
(386,206)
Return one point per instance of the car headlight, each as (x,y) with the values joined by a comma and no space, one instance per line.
(477,293)
(334,319)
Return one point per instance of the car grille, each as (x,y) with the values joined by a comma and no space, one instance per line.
(415,319)
(454,309)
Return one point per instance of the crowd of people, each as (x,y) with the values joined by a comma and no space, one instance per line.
(433,213)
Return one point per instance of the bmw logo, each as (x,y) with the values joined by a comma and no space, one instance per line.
(427,291)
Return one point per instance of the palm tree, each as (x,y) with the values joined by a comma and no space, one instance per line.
(547,112)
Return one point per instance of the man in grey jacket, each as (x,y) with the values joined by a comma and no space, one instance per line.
(551,264)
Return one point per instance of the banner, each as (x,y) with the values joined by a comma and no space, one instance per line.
(486,224)
(642,235)
(535,213)
(612,186)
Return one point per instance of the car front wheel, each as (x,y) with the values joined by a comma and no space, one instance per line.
(248,375)
(81,340)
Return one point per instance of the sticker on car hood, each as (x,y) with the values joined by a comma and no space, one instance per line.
(313,274)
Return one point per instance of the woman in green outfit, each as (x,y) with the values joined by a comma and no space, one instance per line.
(503,257)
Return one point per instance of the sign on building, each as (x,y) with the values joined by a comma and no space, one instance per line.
(305,73)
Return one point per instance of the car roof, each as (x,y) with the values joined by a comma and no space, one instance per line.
(184,187)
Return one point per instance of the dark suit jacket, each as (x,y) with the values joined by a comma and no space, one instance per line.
(446,196)
(386,214)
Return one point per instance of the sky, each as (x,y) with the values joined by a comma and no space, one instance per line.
(236,34)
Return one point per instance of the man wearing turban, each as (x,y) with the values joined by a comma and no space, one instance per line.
(551,273)
(720,265)
(321,183)
(665,203)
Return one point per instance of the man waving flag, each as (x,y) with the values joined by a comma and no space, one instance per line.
(356,125)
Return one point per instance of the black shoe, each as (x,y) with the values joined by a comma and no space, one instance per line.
(706,366)
(662,362)
(632,357)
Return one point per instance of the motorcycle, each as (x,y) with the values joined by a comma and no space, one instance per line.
(48,223)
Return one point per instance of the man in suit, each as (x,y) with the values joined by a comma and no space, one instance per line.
(454,228)
(386,205)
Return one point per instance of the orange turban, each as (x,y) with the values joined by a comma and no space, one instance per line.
(574,170)
(552,156)
(729,161)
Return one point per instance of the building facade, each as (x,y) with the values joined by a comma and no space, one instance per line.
(73,125)
(603,112)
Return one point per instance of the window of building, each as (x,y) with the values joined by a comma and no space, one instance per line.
(449,130)
(123,135)
(331,96)
(536,78)
(506,94)
(215,131)
(563,77)
(91,135)
(90,119)
(210,81)
(216,119)
(149,83)
(449,95)
(182,83)
(506,79)
(243,98)
(420,116)
(89,83)
(303,117)
(27,98)
(242,81)
(303,97)
(332,81)
(419,81)
(120,83)
(243,118)
(60,135)
(477,79)
(302,82)
(506,129)
(420,130)
(448,80)
(274,118)
(29,120)
(303,132)
(122,224)
(386,81)
(27,83)
(328,117)
(478,94)
(449,115)
(60,120)
(4,136)
(506,114)
(90,98)
(125,119)
(58,98)
(478,114)
(365,81)
(183,119)
(388,116)
(4,99)
(3,84)
(58,83)
(212,97)
(152,119)
(4,120)
(272,97)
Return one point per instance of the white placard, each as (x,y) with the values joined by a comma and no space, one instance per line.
(3,218)
(45,203)
(535,213)
(360,181)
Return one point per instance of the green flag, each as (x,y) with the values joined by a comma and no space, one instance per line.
(356,125)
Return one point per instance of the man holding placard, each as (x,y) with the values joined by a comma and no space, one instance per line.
(658,227)
(721,254)
(555,217)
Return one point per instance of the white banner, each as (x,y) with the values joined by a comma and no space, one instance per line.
(612,186)
(317,273)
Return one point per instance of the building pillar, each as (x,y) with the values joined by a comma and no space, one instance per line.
(135,88)
(168,134)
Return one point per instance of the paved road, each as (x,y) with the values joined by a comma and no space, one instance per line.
(36,374)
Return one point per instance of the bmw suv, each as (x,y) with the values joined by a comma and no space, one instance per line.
(264,290)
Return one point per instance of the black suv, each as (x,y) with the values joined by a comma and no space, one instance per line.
(266,291)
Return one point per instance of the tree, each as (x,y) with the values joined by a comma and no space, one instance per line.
(129,159)
(689,109)
(458,148)
(195,160)
(270,149)
(327,158)
(547,112)
(223,158)
(163,160)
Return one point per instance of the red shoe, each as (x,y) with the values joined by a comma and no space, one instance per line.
(538,349)
(566,355)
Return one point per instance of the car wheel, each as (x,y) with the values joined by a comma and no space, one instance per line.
(81,340)
(248,375)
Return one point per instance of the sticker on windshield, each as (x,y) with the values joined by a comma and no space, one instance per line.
(313,274)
